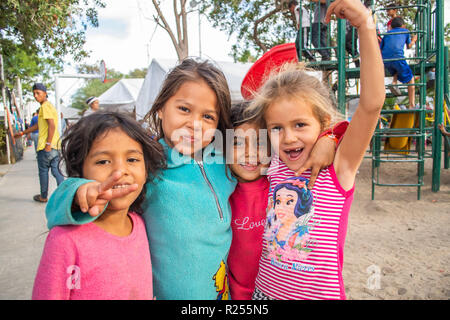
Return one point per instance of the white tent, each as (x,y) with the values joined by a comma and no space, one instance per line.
(156,73)
(121,96)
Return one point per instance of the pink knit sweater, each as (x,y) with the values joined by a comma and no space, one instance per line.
(87,263)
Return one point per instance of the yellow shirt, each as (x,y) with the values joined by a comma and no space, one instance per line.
(47,111)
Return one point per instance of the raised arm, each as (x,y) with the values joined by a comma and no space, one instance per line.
(354,144)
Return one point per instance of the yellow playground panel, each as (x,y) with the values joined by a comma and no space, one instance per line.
(400,121)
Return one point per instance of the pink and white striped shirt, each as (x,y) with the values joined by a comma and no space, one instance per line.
(305,260)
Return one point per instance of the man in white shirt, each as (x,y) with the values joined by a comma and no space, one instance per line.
(294,8)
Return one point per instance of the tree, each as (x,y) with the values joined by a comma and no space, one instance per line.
(137,73)
(447,34)
(36,35)
(261,24)
(408,14)
(179,37)
(258,25)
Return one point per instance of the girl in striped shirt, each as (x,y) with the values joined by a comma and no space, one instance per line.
(304,236)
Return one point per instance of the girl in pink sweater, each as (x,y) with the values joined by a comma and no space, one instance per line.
(108,258)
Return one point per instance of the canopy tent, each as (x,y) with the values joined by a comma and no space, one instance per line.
(234,73)
(70,113)
(121,96)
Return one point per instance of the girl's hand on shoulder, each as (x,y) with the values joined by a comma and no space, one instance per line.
(321,156)
(92,197)
(352,10)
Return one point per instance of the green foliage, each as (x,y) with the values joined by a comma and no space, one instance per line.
(447,33)
(2,137)
(258,25)
(408,14)
(35,35)
(137,73)
(238,18)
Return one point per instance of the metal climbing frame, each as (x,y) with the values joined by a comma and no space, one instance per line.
(430,53)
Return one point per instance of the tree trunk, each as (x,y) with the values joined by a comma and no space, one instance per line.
(180,37)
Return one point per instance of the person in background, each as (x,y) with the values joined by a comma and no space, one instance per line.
(319,28)
(63,124)
(392,13)
(392,47)
(35,134)
(351,38)
(446,136)
(294,8)
(48,142)
(93,105)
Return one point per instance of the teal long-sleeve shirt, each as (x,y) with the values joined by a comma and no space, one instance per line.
(187,217)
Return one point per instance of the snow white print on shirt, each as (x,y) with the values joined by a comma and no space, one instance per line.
(289,221)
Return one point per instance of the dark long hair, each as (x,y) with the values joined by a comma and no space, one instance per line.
(193,70)
(78,140)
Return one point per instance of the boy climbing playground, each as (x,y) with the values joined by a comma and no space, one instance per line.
(392,47)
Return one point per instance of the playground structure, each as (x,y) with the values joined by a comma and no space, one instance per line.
(406,126)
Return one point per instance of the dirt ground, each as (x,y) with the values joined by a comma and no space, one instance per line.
(398,247)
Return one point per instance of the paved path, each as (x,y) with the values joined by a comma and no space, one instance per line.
(22,227)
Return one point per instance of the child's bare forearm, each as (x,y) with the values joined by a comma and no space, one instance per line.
(372,68)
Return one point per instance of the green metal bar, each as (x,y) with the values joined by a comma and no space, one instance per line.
(415,84)
(403,32)
(341,65)
(419,6)
(439,95)
(406,59)
(428,24)
(400,160)
(447,100)
(420,141)
(375,156)
(397,185)
(404,111)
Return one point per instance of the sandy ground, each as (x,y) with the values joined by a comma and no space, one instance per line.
(398,247)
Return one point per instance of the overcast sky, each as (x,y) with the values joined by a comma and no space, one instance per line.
(127,39)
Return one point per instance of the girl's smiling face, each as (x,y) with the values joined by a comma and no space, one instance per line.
(112,151)
(249,153)
(293,130)
(190,117)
